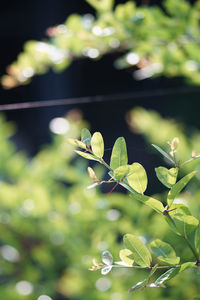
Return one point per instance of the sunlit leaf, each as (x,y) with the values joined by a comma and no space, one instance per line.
(140,252)
(164,252)
(165,276)
(97,144)
(119,154)
(86,136)
(137,178)
(86,155)
(121,172)
(77,143)
(177,188)
(149,201)
(125,256)
(167,177)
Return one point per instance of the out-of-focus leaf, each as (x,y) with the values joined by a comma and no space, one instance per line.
(119,154)
(140,252)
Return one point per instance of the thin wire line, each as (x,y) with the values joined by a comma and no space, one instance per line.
(99,98)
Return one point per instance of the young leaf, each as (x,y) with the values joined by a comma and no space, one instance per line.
(86,155)
(197,240)
(177,188)
(97,144)
(138,286)
(121,172)
(140,252)
(86,136)
(137,178)
(167,177)
(77,143)
(106,270)
(164,252)
(107,258)
(93,175)
(119,154)
(165,154)
(125,256)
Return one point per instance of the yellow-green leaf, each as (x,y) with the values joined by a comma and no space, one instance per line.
(97,144)
(167,177)
(125,255)
(137,178)
(140,252)
(197,239)
(86,155)
(164,252)
(119,154)
(121,172)
(77,143)
(177,188)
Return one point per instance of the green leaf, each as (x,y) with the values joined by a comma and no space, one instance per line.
(97,144)
(167,177)
(119,154)
(140,252)
(164,252)
(196,297)
(177,188)
(77,143)
(185,224)
(197,239)
(137,178)
(86,155)
(86,136)
(121,172)
(165,276)
(125,255)
(138,286)
(171,273)
(149,201)
(165,154)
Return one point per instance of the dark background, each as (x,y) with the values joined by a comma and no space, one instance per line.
(24,20)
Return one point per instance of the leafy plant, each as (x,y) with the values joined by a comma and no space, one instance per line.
(154,40)
(133,178)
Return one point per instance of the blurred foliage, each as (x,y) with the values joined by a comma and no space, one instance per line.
(51,226)
(152,40)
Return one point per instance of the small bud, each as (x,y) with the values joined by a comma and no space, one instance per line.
(174,143)
(193,154)
(93,175)
(95,262)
